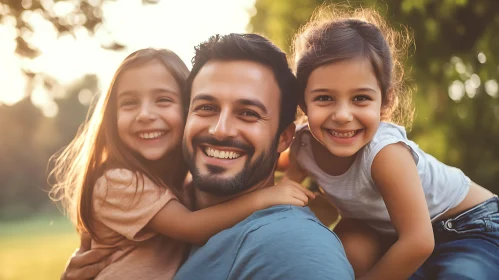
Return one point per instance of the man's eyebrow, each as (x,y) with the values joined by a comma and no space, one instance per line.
(203,96)
(252,102)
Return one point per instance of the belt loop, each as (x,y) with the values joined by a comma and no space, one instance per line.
(448,225)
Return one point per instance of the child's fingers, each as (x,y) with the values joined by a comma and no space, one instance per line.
(87,272)
(85,265)
(307,192)
(302,197)
(85,241)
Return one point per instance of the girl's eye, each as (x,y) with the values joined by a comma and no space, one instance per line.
(361,98)
(323,98)
(128,103)
(164,99)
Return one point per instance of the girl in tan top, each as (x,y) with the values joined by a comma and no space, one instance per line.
(121,176)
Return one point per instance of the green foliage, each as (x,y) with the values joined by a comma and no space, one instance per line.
(454,45)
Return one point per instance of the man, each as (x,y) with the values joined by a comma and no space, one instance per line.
(243,104)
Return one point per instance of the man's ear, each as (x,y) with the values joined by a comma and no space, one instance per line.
(286,137)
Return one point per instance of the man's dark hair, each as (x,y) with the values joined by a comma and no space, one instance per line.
(252,47)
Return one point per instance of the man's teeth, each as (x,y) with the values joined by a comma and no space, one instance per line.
(221,154)
(150,135)
(343,134)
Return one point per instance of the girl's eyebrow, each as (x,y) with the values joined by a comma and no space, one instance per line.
(164,89)
(126,93)
(365,89)
(322,90)
(154,90)
(326,90)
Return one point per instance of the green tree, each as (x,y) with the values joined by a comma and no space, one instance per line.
(453,65)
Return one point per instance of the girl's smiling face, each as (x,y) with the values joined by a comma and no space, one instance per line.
(343,101)
(150,114)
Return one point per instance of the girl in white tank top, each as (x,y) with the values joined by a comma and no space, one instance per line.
(385,187)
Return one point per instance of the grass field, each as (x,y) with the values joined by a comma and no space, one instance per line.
(36,248)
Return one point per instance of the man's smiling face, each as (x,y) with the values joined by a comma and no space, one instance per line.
(230,140)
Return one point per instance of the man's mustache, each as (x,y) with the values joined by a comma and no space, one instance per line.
(229,143)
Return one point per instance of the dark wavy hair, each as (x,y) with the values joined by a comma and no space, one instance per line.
(252,47)
(339,32)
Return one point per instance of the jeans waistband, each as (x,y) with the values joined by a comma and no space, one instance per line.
(482,210)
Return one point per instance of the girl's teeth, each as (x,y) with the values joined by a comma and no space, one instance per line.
(150,135)
(221,154)
(343,134)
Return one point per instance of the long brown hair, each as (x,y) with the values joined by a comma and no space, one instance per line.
(339,32)
(97,146)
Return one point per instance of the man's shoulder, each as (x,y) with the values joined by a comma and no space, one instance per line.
(284,223)
(276,240)
(269,245)
(279,212)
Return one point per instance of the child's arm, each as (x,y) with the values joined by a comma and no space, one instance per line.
(177,222)
(396,177)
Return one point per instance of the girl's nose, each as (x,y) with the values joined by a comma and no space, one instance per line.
(342,115)
(146,115)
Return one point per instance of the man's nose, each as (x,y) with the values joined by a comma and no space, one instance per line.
(146,114)
(224,128)
(342,114)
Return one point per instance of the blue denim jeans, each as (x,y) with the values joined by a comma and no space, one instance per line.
(466,245)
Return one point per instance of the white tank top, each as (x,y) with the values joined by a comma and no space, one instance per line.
(356,195)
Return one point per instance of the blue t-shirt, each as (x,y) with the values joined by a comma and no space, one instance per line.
(281,242)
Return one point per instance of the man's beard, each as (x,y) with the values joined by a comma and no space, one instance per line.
(249,176)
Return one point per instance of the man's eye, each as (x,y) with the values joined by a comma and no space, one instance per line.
(204,108)
(250,114)
(323,98)
(361,98)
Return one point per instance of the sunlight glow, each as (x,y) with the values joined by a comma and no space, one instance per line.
(482,58)
(12,79)
(175,24)
(492,88)
(456,90)
(470,88)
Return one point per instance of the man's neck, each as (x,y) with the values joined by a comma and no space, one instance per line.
(203,199)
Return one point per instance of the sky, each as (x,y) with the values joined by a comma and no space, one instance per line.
(175,24)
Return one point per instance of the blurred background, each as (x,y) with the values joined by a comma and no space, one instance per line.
(56,55)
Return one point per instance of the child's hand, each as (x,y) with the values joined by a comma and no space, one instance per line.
(86,263)
(287,192)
